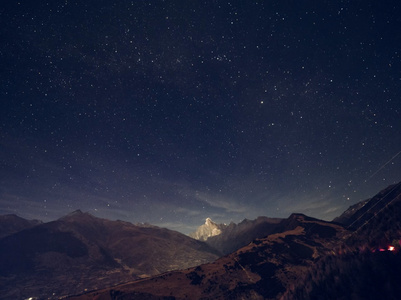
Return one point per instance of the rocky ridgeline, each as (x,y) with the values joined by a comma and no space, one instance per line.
(207,230)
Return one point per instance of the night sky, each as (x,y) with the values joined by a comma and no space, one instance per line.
(169,112)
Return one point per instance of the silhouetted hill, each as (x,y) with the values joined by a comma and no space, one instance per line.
(264,269)
(304,258)
(234,236)
(359,276)
(10,224)
(80,251)
(296,258)
(362,267)
(356,215)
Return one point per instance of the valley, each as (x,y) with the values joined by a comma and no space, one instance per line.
(84,257)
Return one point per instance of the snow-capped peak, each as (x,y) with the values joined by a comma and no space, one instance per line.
(207,230)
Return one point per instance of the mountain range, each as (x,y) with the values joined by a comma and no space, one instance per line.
(10,224)
(263,269)
(355,256)
(228,238)
(81,252)
(207,230)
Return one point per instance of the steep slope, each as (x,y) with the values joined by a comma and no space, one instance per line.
(305,259)
(359,213)
(361,276)
(264,269)
(80,251)
(150,249)
(10,224)
(363,267)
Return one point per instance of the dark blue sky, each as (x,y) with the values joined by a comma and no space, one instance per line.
(169,112)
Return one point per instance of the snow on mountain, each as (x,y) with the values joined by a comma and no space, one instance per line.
(207,230)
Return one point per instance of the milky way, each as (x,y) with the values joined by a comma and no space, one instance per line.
(169,112)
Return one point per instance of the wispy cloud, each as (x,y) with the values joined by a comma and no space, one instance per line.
(319,206)
(188,212)
(221,202)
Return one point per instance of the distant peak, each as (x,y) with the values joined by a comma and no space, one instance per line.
(296,216)
(10,216)
(209,222)
(14,217)
(75,212)
(207,230)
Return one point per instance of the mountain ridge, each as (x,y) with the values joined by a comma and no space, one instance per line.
(233,236)
(356,215)
(207,230)
(252,272)
(82,252)
(279,265)
(12,223)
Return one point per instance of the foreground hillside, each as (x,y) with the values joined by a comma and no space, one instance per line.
(264,269)
(306,259)
(355,257)
(81,252)
(362,276)
(368,263)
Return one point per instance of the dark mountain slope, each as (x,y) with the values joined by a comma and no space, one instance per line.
(380,230)
(305,259)
(362,266)
(10,224)
(80,251)
(359,213)
(262,270)
(361,276)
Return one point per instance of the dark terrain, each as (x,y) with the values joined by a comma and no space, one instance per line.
(81,252)
(295,258)
(264,269)
(307,259)
(10,224)
(235,236)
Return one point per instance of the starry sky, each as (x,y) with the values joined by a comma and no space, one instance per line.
(169,112)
